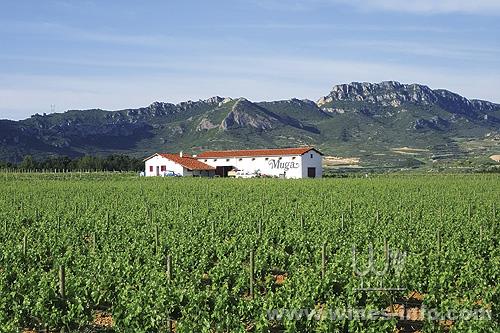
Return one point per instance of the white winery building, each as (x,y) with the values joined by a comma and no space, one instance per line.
(303,162)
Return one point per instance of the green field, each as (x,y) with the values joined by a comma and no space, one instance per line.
(435,238)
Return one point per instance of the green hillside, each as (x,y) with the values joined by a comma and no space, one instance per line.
(384,124)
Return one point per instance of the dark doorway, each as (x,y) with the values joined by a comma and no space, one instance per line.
(311,172)
(222,171)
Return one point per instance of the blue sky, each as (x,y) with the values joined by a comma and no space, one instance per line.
(119,54)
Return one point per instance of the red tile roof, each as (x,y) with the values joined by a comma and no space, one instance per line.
(188,162)
(257,152)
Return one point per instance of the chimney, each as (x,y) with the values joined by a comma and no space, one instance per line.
(181,154)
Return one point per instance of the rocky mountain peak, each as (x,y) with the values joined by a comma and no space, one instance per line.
(386,93)
(247,114)
(395,94)
(160,105)
(242,104)
(214,100)
(157,109)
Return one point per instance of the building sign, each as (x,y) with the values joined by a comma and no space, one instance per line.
(278,164)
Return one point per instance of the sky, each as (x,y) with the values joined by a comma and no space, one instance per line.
(57,55)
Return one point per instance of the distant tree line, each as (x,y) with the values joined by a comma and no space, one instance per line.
(64,163)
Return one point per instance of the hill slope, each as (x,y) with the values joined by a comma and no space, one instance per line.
(384,124)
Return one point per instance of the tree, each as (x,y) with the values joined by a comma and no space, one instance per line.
(89,163)
(28,163)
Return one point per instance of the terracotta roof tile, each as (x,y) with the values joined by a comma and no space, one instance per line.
(188,162)
(257,152)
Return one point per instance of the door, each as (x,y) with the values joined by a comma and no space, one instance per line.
(157,170)
(311,172)
(222,171)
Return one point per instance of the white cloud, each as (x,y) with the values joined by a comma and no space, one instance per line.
(58,31)
(491,7)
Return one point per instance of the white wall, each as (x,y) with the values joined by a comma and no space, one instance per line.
(157,161)
(312,159)
(291,166)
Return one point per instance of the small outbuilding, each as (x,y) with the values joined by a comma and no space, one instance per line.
(177,165)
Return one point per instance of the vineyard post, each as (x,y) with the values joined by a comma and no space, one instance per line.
(439,241)
(251,272)
(386,250)
(260,227)
(93,241)
(169,267)
(302,221)
(170,325)
(62,286)
(62,281)
(25,245)
(323,260)
(157,240)
(342,222)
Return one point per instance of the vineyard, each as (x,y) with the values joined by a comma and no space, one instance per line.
(101,253)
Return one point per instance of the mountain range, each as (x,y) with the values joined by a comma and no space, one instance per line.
(385,123)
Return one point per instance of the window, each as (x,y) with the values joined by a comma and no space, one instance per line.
(150,168)
(227,159)
(267,158)
(279,158)
(293,158)
(215,160)
(253,159)
(163,168)
(206,160)
(312,156)
(240,159)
